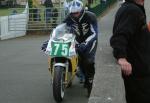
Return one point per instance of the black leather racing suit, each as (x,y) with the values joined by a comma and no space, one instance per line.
(86,30)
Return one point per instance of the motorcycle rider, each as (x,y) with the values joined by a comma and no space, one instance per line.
(83,24)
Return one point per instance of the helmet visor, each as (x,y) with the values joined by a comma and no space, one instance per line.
(75,14)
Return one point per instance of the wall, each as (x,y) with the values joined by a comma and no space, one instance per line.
(6,33)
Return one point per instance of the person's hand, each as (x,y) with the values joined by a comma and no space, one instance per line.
(81,48)
(44,46)
(149,26)
(125,66)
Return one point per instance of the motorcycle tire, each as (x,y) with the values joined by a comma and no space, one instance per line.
(58,84)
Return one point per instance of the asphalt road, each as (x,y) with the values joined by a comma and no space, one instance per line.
(24,77)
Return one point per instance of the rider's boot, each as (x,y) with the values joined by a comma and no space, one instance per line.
(85,83)
(89,86)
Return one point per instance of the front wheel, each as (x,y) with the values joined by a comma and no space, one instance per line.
(58,84)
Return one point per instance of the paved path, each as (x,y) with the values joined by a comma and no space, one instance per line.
(108,84)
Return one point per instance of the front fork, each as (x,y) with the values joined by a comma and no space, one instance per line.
(65,71)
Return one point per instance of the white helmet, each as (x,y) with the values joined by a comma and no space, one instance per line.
(75,6)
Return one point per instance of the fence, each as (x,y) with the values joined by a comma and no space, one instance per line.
(45,18)
(38,19)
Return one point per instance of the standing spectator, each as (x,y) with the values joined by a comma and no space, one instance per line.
(131,47)
(36,11)
(48,11)
(54,16)
(66,7)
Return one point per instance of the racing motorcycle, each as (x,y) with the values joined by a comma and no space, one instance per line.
(63,60)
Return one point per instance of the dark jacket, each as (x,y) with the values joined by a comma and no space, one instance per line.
(86,30)
(85,27)
(131,38)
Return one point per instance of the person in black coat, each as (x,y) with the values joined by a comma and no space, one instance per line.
(131,48)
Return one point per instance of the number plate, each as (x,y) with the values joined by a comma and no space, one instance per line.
(60,49)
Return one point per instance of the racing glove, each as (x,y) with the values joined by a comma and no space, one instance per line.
(44,46)
(81,48)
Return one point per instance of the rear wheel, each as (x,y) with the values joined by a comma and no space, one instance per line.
(58,84)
